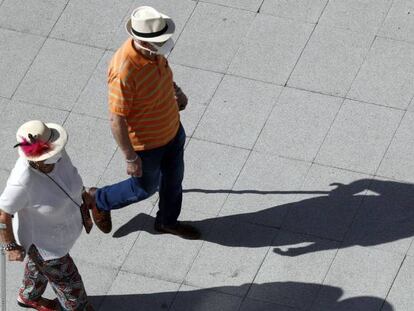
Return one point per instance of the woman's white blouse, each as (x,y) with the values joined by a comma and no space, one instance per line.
(44,215)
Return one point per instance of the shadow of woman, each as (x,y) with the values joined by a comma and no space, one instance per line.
(347,214)
(329,298)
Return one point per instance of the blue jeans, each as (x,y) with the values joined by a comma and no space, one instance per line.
(163,170)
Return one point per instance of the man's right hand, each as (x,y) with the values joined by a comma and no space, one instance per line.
(17,254)
(135,168)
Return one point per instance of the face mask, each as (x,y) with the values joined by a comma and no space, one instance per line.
(54,159)
(165,49)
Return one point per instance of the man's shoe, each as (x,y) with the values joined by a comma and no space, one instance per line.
(182,230)
(101,218)
(41,304)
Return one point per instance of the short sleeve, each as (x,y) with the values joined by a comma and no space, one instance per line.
(13,198)
(120,96)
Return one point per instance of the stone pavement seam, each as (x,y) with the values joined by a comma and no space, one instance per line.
(24,76)
(306,44)
(393,281)
(260,7)
(226,6)
(389,144)
(395,39)
(28,67)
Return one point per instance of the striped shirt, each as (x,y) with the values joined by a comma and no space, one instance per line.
(142,91)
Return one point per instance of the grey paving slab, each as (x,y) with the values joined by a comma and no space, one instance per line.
(3,103)
(265,190)
(17,51)
(210,168)
(58,74)
(14,277)
(90,22)
(31,16)
(121,239)
(331,60)
(293,280)
(359,137)
(411,106)
(282,135)
(387,76)
(363,270)
(212,37)
(327,203)
(93,100)
(411,250)
(4,175)
(238,249)
(154,255)
(238,112)
(303,10)
(194,299)
(199,86)
(396,163)
(179,11)
(278,52)
(399,23)
(134,292)
(92,146)
(401,292)
(14,115)
(335,298)
(385,218)
(254,305)
(360,16)
(251,5)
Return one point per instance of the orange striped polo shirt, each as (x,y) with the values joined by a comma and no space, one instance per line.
(142,91)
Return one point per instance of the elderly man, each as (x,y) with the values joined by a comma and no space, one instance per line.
(144,104)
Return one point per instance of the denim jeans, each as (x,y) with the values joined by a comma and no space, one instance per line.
(162,170)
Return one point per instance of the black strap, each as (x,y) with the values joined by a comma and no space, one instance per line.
(151,34)
(61,188)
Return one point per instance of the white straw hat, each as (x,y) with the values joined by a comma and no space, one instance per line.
(147,24)
(38,141)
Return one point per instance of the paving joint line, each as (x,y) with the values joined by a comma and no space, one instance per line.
(393,282)
(38,52)
(226,6)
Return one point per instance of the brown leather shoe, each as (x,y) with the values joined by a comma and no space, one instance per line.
(182,230)
(101,218)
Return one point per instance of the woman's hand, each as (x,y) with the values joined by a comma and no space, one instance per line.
(17,254)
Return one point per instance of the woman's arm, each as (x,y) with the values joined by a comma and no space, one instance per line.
(15,252)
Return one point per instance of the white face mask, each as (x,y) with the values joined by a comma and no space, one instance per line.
(164,49)
(54,159)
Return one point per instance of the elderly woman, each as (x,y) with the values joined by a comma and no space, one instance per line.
(44,193)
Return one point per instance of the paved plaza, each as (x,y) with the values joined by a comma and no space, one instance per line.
(299,156)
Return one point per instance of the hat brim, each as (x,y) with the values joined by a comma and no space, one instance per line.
(162,38)
(58,142)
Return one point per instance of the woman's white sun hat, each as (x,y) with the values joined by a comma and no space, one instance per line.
(147,24)
(38,141)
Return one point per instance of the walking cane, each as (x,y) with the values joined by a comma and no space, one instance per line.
(3,273)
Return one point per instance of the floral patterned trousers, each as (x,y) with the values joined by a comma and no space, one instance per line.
(61,274)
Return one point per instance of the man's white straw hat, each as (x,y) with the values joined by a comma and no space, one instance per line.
(147,24)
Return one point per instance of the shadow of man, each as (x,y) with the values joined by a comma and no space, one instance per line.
(329,299)
(365,212)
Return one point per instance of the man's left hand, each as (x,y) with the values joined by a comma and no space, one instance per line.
(181,98)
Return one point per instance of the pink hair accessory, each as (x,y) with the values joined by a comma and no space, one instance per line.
(33,148)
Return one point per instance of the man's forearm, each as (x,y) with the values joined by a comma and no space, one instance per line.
(120,132)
